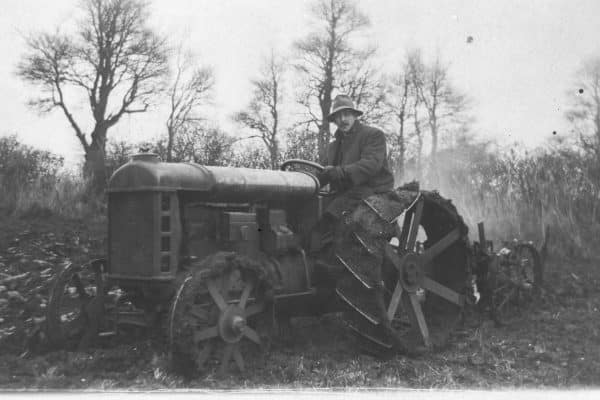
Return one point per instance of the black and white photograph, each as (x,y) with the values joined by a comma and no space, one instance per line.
(308,197)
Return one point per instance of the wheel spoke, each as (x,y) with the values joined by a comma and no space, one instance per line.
(417,317)
(206,334)
(508,296)
(227,352)
(414,226)
(216,295)
(394,301)
(251,334)
(393,257)
(405,228)
(237,356)
(245,294)
(443,291)
(441,245)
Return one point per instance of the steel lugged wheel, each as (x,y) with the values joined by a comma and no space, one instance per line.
(516,277)
(211,314)
(429,282)
(408,297)
(75,307)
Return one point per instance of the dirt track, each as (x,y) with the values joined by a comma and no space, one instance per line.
(555,343)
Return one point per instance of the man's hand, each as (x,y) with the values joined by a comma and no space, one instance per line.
(331,174)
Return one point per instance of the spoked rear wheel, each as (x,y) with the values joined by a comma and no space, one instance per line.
(212,313)
(408,296)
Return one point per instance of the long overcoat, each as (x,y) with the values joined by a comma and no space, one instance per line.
(362,155)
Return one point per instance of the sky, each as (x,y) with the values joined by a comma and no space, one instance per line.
(518,70)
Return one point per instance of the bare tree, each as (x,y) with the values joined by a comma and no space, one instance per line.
(200,144)
(367,89)
(415,68)
(250,155)
(264,111)
(418,134)
(188,92)
(302,141)
(114,58)
(329,60)
(442,102)
(584,114)
(399,102)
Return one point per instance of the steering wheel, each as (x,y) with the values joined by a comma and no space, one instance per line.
(310,168)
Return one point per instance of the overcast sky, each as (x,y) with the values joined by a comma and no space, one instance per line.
(517,70)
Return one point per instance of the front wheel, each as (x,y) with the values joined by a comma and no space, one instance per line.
(212,313)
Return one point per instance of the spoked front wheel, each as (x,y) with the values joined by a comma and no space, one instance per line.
(212,313)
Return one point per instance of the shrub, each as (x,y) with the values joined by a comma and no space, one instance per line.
(34,182)
(518,194)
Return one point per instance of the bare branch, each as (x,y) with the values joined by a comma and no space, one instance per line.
(190,89)
(113,55)
(263,112)
(328,61)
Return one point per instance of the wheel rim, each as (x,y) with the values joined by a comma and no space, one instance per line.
(210,318)
(427,285)
(419,298)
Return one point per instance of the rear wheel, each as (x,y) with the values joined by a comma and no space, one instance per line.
(406,296)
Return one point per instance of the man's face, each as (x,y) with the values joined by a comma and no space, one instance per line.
(344,119)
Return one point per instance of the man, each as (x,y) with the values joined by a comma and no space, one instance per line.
(357,164)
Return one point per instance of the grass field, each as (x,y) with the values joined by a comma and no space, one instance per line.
(553,343)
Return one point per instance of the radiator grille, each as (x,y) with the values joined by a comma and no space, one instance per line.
(131,235)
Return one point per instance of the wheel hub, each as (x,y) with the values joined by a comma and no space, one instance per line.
(232,324)
(411,274)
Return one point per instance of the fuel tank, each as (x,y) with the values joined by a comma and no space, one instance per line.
(145,172)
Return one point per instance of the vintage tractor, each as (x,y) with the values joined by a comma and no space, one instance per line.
(211,253)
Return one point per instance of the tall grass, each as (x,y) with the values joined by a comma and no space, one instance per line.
(518,195)
(34,182)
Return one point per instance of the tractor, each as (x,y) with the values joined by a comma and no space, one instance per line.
(210,254)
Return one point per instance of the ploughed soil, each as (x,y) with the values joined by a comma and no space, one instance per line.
(553,341)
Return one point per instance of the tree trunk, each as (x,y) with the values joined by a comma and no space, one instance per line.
(324,132)
(171,134)
(434,141)
(95,160)
(274,150)
(419,140)
(402,149)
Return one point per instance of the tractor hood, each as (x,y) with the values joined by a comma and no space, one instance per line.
(145,172)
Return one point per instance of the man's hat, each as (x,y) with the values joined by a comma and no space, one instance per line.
(342,102)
